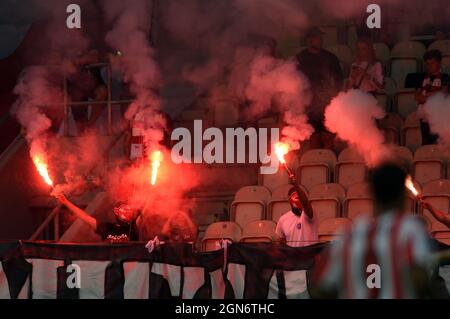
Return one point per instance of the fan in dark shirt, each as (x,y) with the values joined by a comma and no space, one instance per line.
(124,229)
(324,73)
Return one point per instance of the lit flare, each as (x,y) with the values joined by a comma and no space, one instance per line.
(42,168)
(281,149)
(410,185)
(156,163)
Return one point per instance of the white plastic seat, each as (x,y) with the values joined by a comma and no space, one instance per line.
(429,164)
(382,52)
(359,201)
(403,156)
(249,204)
(391,124)
(331,228)
(215,232)
(350,168)
(406,102)
(411,133)
(259,231)
(405,58)
(316,167)
(437,193)
(408,49)
(279,204)
(441,45)
(326,201)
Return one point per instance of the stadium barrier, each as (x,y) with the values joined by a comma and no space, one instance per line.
(71,271)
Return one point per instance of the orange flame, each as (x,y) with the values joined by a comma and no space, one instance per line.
(156,162)
(281,149)
(410,185)
(42,169)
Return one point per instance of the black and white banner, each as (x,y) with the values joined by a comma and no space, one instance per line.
(78,271)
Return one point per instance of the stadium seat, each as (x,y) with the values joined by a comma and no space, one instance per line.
(403,156)
(350,168)
(326,200)
(382,52)
(385,96)
(344,54)
(441,45)
(279,204)
(405,58)
(331,228)
(429,164)
(411,135)
(358,201)
(259,231)
(218,231)
(249,204)
(391,124)
(406,102)
(280,178)
(437,193)
(316,167)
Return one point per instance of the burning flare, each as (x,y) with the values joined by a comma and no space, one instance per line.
(410,185)
(281,149)
(42,169)
(156,162)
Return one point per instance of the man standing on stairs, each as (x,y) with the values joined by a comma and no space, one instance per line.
(125,227)
(297,227)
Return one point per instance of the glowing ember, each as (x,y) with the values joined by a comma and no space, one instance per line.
(42,169)
(156,162)
(281,149)
(410,185)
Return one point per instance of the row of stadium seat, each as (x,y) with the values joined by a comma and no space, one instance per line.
(404,58)
(262,231)
(255,211)
(319,166)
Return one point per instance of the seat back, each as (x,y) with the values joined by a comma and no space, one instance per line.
(259,231)
(406,102)
(403,156)
(316,167)
(358,201)
(429,164)
(382,52)
(226,112)
(215,232)
(401,67)
(411,134)
(253,193)
(441,45)
(350,168)
(332,228)
(326,200)
(408,49)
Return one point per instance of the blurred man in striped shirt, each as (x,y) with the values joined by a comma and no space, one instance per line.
(384,257)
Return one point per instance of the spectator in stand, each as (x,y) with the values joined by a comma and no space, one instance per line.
(297,227)
(366,72)
(395,243)
(322,69)
(125,228)
(434,81)
(444,218)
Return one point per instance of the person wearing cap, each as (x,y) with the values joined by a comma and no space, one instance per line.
(297,227)
(123,229)
(324,73)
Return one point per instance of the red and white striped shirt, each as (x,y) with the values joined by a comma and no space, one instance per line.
(393,243)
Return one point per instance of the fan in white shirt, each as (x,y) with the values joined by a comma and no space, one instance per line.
(297,227)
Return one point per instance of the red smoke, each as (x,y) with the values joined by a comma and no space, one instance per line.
(351,115)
